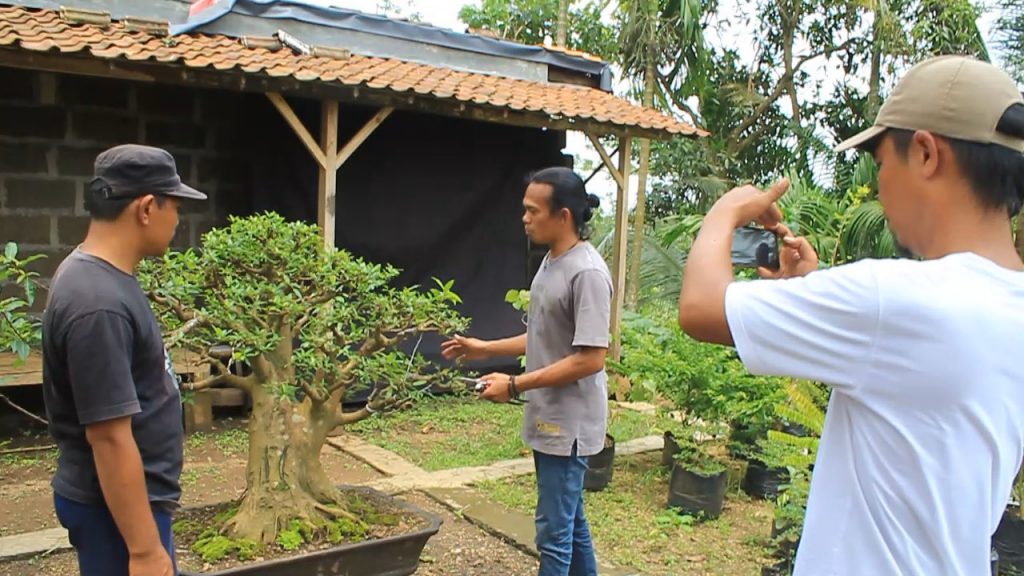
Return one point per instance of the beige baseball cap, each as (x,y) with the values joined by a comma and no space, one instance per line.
(952,96)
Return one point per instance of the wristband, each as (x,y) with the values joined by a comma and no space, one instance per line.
(512,392)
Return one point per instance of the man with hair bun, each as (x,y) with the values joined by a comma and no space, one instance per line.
(565,383)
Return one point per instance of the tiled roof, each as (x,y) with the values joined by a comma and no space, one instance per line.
(48,30)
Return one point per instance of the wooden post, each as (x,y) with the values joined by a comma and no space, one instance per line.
(327,154)
(621,243)
(327,191)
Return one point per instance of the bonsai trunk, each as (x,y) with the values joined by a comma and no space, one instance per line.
(285,480)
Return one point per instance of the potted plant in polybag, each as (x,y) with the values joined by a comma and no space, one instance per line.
(699,474)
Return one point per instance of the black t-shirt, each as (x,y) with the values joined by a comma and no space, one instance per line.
(104,358)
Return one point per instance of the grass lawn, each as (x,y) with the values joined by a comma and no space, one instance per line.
(443,432)
(631,526)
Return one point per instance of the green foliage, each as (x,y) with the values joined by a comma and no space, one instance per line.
(19,330)
(311,317)
(519,299)
(674,518)
(706,381)
(211,545)
(1017,493)
(294,536)
(947,27)
(214,547)
(226,514)
(804,407)
(790,509)
(696,444)
(183,525)
(530,21)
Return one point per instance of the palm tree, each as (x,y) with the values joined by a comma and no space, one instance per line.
(653,33)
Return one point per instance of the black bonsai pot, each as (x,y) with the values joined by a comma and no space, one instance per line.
(392,556)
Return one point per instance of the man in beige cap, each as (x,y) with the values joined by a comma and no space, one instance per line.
(925,426)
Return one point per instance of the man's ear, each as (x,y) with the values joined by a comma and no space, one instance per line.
(924,153)
(566,214)
(145,206)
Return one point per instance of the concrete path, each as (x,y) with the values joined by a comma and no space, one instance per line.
(33,543)
(404,475)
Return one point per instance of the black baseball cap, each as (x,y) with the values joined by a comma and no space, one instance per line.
(133,170)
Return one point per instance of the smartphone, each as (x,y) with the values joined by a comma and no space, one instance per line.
(753,247)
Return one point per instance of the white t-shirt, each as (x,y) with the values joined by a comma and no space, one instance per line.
(925,426)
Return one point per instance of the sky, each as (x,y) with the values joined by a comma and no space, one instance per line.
(444,13)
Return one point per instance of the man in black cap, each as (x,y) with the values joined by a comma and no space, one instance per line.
(111,394)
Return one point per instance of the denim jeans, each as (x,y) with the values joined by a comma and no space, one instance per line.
(563,536)
(98,542)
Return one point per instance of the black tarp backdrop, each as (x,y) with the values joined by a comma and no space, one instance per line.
(433,196)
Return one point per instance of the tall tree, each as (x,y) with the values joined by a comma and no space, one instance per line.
(530,21)
(652,33)
(1010,37)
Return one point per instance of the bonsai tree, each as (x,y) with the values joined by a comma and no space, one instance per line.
(298,327)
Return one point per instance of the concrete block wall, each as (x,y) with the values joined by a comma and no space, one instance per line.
(52,126)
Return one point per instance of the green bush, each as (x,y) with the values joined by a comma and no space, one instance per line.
(706,381)
(20,331)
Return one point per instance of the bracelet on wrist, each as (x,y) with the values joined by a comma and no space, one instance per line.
(512,392)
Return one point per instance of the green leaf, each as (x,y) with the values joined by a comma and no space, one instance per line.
(11,250)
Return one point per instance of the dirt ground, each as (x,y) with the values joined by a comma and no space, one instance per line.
(459,549)
(214,471)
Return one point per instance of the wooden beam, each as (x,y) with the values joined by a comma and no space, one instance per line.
(289,115)
(616,174)
(621,243)
(362,135)
(171,73)
(327,192)
(14,372)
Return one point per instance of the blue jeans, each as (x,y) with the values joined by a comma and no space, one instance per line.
(101,549)
(563,536)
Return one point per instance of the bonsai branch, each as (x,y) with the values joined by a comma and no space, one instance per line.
(372,407)
(173,305)
(313,307)
(223,376)
(174,337)
(315,395)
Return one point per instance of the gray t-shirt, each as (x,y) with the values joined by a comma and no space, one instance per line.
(570,306)
(104,358)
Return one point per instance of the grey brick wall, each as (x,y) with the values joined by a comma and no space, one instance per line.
(52,126)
